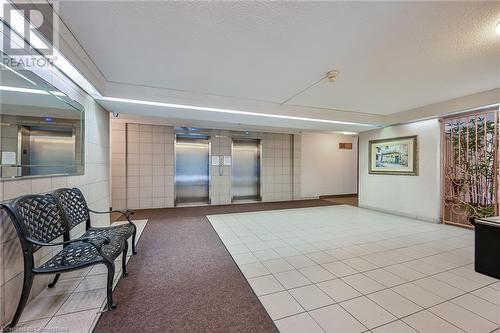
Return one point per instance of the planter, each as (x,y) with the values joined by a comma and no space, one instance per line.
(487,246)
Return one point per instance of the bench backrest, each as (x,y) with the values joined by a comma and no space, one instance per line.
(37,217)
(74,205)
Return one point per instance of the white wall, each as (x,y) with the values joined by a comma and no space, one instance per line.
(326,169)
(413,196)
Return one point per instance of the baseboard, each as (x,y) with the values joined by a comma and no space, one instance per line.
(398,213)
(329,196)
(306,198)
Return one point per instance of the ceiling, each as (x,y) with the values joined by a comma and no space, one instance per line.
(392,56)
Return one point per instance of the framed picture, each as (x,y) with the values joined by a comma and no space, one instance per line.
(395,156)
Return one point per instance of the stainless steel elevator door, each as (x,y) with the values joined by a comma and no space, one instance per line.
(47,150)
(192,169)
(246,169)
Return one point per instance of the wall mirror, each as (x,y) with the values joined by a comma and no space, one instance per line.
(41,129)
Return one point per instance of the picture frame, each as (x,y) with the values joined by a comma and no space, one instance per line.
(393,156)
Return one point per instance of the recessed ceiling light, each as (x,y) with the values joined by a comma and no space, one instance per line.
(497,29)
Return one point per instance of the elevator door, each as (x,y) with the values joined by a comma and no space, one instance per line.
(47,150)
(246,169)
(191,169)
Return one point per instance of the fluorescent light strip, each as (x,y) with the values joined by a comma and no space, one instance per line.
(246,113)
(345,133)
(31,91)
(24,90)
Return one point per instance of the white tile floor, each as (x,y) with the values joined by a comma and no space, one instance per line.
(74,305)
(347,269)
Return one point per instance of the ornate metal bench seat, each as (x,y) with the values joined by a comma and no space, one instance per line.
(78,254)
(76,208)
(40,221)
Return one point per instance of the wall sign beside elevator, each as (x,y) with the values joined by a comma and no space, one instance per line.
(216,160)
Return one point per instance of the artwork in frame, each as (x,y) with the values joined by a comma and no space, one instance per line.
(394,156)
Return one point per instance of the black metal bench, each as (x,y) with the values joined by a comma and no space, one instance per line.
(73,202)
(40,220)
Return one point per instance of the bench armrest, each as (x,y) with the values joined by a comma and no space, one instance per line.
(127,213)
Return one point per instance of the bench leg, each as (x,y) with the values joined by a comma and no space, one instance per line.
(56,278)
(134,252)
(124,259)
(111,275)
(27,284)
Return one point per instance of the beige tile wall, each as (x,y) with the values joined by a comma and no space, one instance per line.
(220,182)
(297,168)
(145,179)
(142,165)
(277,167)
(94,183)
(118,171)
